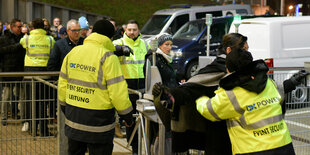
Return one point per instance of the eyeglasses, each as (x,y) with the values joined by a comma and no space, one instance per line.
(75,30)
(18,26)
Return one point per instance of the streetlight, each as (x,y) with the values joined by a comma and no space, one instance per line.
(290,8)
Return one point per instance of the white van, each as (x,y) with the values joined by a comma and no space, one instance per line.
(282,40)
(170,20)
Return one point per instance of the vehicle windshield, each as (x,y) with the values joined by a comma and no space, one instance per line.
(190,31)
(155,24)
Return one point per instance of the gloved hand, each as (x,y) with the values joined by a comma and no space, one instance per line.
(128,119)
(157,89)
(166,99)
(122,50)
(297,77)
(127,50)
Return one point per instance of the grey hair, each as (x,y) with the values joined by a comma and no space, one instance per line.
(72,21)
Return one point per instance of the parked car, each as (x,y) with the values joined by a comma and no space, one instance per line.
(170,20)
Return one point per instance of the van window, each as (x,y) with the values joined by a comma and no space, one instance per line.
(190,31)
(200,15)
(218,30)
(242,11)
(155,24)
(177,23)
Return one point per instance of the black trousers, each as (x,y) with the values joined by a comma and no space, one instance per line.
(284,150)
(79,148)
(41,93)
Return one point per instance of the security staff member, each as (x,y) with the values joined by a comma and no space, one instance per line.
(251,105)
(91,87)
(132,67)
(38,46)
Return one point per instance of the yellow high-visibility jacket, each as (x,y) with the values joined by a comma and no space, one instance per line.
(132,65)
(38,47)
(91,86)
(254,121)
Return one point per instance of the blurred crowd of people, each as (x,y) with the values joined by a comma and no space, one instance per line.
(18,41)
(58,30)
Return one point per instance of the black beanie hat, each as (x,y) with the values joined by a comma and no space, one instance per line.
(238,59)
(104,27)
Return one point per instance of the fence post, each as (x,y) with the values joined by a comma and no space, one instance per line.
(307,68)
(62,140)
(33,108)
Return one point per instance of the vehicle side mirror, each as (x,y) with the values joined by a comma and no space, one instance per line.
(203,41)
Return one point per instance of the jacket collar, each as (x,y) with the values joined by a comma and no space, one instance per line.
(252,78)
(37,32)
(95,38)
(131,41)
(80,41)
(10,34)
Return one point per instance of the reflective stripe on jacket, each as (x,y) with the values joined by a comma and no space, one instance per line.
(38,47)
(132,65)
(91,79)
(255,122)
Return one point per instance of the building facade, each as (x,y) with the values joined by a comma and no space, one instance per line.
(27,10)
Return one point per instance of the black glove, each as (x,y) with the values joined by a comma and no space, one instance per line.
(167,100)
(122,50)
(297,77)
(128,119)
(127,50)
(157,89)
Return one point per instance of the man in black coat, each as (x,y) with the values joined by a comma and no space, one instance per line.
(63,46)
(12,54)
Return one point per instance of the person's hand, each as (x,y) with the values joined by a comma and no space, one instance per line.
(122,50)
(297,77)
(127,50)
(157,89)
(162,92)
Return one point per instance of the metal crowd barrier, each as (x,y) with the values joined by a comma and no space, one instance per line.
(15,141)
(30,100)
(297,116)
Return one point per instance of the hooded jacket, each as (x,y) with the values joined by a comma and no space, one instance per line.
(89,92)
(250,103)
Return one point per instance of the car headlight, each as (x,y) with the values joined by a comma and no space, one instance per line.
(176,53)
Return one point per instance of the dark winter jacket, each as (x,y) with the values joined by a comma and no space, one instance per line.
(190,130)
(12,54)
(168,75)
(61,48)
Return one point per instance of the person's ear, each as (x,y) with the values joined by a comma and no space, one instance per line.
(228,50)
